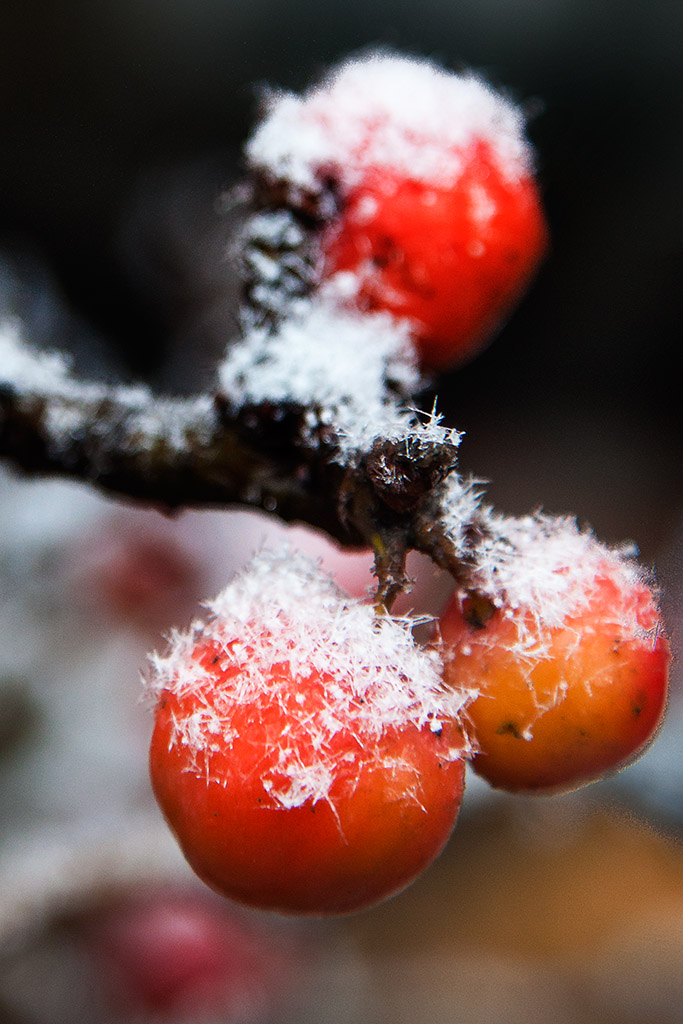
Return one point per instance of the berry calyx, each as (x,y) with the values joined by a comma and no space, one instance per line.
(305,752)
(425,189)
(568,697)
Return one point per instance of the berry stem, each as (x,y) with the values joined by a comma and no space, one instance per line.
(390,568)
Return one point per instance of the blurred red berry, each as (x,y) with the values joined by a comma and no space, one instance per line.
(454,259)
(423,182)
(178,956)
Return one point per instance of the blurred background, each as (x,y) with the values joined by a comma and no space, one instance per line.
(122,125)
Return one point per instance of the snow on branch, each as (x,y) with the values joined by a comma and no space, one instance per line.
(122,438)
(351,460)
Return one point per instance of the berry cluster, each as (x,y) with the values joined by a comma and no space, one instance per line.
(308,753)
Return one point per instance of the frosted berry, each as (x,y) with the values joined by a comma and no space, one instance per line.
(436,211)
(566,699)
(305,753)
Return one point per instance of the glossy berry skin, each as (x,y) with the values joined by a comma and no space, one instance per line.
(557,720)
(369,818)
(453,259)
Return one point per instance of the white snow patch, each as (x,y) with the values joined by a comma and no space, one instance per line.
(545,565)
(340,365)
(387,111)
(281,624)
(25,369)
(147,421)
(459,501)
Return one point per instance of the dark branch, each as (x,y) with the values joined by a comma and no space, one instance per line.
(180,452)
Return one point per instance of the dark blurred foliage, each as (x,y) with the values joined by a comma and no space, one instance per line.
(575,405)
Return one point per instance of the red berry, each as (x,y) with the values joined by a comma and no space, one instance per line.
(453,259)
(172,954)
(305,753)
(561,705)
(137,571)
(437,217)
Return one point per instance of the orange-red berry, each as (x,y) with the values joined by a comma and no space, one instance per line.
(560,705)
(305,753)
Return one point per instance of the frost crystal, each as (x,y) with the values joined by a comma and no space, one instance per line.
(385,111)
(459,501)
(282,624)
(347,366)
(547,566)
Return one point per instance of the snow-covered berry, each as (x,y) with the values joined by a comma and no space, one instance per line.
(437,215)
(564,641)
(305,751)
